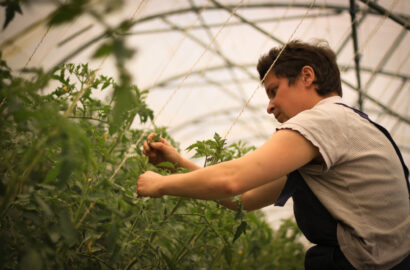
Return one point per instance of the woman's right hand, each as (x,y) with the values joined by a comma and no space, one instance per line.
(160,151)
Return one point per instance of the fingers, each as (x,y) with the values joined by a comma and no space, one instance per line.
(157,146)
(159,151)
(149,144)
(163,141)
(153,150)
(151,136)
(140,186)
(146,148)
(146,185)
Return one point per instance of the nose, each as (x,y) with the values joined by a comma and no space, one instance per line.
(271,107)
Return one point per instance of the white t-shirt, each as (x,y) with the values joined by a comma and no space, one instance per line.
(361,183)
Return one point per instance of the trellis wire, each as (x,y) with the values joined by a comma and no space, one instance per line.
(37,46)
(277,24)
(388,84)
(137,10)
(132,148)
(270,68)
(328,32)
(176,50)
(197,61)
(200,18)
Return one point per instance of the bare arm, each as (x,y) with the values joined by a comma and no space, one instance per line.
(258,197)
(251,200)
(283,153)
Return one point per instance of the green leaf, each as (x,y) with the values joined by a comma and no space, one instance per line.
(166,164)
(124,103)
(12,7)
(112,236)
(121,52)
(241,229)
(156,138)
(68,12)
(67,228)
(104,50)
(107,82)
(52,174)
(125,25)
(227,251)
(32,260)
(169,261)
(22,114)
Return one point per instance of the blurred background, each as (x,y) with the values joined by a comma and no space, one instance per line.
(197,58)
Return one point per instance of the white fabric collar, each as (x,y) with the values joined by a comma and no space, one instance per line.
(332,99)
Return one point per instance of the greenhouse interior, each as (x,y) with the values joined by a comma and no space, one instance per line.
(190,70)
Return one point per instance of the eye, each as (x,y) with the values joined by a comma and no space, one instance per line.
(273,91)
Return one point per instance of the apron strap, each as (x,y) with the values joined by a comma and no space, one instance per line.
(313,219)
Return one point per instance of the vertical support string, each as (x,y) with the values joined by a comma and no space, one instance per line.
(266,74)
(132,148)
(37,46)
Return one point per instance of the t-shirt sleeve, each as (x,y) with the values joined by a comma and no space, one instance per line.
(322,126)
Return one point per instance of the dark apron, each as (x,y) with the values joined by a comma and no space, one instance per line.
(316,223)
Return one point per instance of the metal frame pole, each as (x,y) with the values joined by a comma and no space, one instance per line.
(353,9)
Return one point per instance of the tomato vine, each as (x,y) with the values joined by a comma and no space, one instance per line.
(58,206)
(65,203)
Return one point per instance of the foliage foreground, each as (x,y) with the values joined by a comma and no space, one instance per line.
(69,164)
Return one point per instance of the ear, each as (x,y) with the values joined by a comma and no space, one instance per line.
(308,76)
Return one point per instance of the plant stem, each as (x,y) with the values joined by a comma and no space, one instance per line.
(88,118)
(192,241)
(177,205)
(98,259)
(2,102)
(215,231)
(14,186)
(82,91)
(87,211)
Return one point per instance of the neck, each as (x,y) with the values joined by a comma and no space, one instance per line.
(316,98)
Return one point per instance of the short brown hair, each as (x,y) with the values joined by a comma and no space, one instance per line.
(298,54)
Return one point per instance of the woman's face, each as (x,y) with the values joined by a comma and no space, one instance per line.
(285,101)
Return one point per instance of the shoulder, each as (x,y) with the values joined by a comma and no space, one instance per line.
(327,117)
(330,117)
(330,109)
(326,126)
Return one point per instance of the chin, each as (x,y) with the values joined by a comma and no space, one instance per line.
(282,120)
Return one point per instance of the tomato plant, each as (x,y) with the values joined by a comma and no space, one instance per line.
(65,200)
(69,163)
